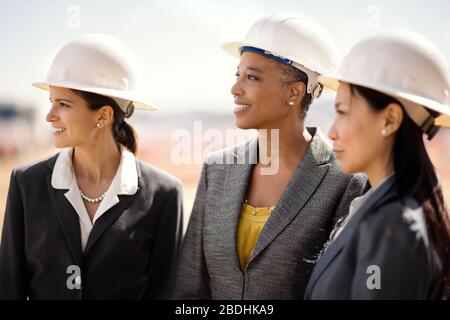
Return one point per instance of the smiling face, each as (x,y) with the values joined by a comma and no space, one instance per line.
(259,94)
(359,141)
(74,123)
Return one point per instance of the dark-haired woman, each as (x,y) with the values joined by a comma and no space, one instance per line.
(91,222)
(395,242)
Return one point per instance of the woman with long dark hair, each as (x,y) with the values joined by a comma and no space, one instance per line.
(91,222)
(395,242)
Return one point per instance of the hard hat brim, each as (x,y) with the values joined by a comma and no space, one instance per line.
(332,82)
(233,48)
(138,101)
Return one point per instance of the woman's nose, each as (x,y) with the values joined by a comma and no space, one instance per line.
(51,115)
(236,89)
(332,133)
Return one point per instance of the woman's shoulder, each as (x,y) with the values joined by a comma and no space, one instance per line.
(158,177)
(394,209)
(240,153)
(36,169)
(399,218)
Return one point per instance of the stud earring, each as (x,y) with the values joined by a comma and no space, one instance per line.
(384,131)
(291,103)
(98,124)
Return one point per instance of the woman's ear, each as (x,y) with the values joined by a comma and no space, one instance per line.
(393,118)
(297,91)
(105,115)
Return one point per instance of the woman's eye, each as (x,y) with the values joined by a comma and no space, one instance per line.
(62,104)
(249,76)
(341,112)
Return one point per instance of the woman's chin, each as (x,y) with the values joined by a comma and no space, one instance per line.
(247,122)
(243,124)
(60,145)
(349,170)
(345,168)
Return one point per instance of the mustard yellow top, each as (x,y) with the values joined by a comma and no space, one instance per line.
(251,222)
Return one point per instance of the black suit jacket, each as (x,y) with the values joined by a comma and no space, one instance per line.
(130,253)
(382,253)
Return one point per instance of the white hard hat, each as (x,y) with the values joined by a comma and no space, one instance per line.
(99,64)
(404,65)
(296,39)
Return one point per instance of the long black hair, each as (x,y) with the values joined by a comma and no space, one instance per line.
(123,133)
(416,177)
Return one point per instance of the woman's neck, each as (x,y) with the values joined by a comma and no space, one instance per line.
(287,145)
(379,171)
(96,161)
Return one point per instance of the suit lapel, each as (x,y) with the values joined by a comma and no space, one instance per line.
(235,185)
(111,215)
(381,195)
(107,219)
(303,184)
(67,218)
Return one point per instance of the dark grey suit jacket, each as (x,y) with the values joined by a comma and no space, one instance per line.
(130,253)
(386,232)
(290,241)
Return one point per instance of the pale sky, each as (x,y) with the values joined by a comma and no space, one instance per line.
(178,42)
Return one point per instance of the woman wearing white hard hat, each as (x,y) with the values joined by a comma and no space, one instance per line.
(91,222)
(392,88)
(254,234)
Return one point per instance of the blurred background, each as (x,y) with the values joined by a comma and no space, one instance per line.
(186,73)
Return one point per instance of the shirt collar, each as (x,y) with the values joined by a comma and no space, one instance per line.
(62,175)
(125,180)
(356,202)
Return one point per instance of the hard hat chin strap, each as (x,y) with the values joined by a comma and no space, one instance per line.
(421,117)
(123,104)
(314,87)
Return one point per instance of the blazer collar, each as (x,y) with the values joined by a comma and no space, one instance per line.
(127,184)
(125,181)
(301,187)
(378,196)
(320,149)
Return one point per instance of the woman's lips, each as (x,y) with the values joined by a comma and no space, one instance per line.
(337,152)
(58,131)
(241,108)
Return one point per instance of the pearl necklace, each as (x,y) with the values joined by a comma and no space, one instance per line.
(93,200)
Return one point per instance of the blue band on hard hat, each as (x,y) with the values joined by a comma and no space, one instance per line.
(267,54)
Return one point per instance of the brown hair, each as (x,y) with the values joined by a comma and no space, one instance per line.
(122,132)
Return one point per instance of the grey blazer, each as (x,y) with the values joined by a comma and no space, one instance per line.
(290,241)
(130,253)
(382,253)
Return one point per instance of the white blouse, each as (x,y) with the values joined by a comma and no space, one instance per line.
(125,182)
